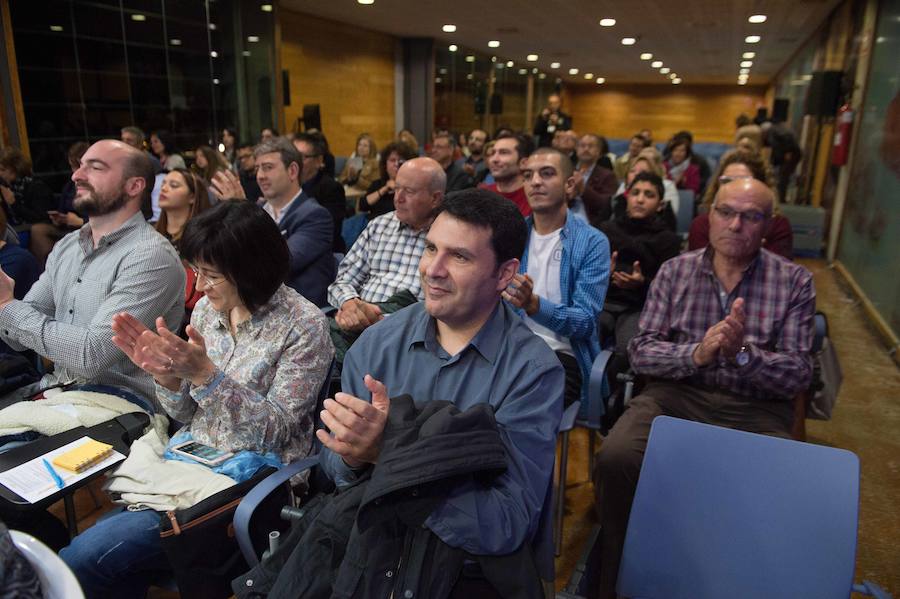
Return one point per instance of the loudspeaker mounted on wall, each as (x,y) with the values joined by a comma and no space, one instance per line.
(286,87)
(824,93)
(780,109)
(496,104)
(312,117)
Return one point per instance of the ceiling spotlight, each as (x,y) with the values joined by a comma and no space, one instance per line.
(510,64)
(437,79)
(56,28)
(214,54)
(752,39)
(493,44)
(646,56)
(175,41)
(673,76)
(453,47)
(442,71)
(746,64)
(744,76)
(601,80)
(470,76)
(531,57)
(744,71)
(607,22)
(523,71)
(470,58)
(215,81)
(665,70)
(252,38)
(542,76)
(656,64)
(366,1)
(676,81)
(588,75)
(748,55)
(757,18)
(628,41)
(554,65)
(138,17)
(448,28)
(246,53)
(212,26)
(573,71)
(742,82)
(266,8)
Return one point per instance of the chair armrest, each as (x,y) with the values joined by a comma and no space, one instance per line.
(598,389)
(870,589)
(567,422)
(821,331)
(257,494)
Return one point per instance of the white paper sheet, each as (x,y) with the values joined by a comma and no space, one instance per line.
(32,482)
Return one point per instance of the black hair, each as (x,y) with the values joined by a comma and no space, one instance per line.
(316,141)
(604,145)
(524,143)
(489,210)
(401,149)
(167,140)
(653,179)
(232,236)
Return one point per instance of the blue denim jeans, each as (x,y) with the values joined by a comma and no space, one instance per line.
(119,556)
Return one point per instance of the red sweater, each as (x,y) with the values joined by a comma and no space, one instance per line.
(517,197)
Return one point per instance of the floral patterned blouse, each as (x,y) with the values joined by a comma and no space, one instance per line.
(267,379)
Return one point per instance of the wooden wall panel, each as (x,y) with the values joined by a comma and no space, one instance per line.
(619,111)
(348,71)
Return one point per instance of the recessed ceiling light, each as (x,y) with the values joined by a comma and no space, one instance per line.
(607,22)
(588,75)
(212,26)
(56,28)
(216,81)
(437,79)
(744,76)
(252,38)
(470,58)
(673,75)
(542,76)
(646,56)
(214,54)
(573,71)
(493,59)
(523,71)
(470,76)
(746,64)
(493,44)
(366,1)
(266,8)
(448,28)
(665,70)
(175,41)
(138,17)
(744,71)
(757,18)
(442,71)
(246,52)
(531,57)
(452,47)
(510,63)
(742,82)
(752,39)
(656,64)
(676,81)
(748,55)
(628,41)
(601,80)
(554,65)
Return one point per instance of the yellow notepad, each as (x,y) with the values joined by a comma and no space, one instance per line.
(84,456)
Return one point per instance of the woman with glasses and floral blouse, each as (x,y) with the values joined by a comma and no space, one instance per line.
(247,379)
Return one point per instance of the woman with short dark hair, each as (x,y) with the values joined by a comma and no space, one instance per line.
(162,143)
(379,198)
(26,199)
(247,379)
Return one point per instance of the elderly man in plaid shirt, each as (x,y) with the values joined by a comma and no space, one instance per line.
(725,339)
(384,261)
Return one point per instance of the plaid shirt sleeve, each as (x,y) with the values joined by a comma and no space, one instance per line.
(650,351)
(353,270)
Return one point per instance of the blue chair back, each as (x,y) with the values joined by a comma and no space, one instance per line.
(685,214)
(725,513)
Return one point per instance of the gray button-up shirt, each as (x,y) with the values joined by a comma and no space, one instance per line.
(67,314)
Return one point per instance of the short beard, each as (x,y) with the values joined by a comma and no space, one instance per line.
(94,205)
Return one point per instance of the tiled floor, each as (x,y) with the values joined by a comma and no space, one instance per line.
(866,422)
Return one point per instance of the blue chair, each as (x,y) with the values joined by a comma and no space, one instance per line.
(726,513)
(566,424)
(685,214)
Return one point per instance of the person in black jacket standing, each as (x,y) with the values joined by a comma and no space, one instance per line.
(319,185)
(551,120)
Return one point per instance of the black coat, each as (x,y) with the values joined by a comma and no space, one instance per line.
(353,540)
(648,241)
(330,195)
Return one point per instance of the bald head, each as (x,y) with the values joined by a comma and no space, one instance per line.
(113,176)
(419,192)
(427,171)
(753,190)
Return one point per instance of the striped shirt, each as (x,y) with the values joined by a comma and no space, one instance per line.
(383,261)
(686,299)
(67,315)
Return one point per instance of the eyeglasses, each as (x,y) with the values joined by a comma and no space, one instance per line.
(211,280)
(753,217)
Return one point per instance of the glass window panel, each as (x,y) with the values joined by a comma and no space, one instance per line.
(61,87)
(104,89)
(101,55)
(107,123)
(45,50)
(147,61)
(53,121)
(147,91)
(97,22)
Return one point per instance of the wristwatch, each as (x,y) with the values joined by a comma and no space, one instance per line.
(742,358)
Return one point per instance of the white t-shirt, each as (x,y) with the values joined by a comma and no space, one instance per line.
(544,259)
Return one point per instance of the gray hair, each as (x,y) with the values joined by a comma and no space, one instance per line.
(282,146)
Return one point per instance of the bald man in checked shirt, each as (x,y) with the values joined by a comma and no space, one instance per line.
(725,339)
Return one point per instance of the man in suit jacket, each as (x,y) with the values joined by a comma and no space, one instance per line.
(443,148)
(318,184)
(594,184)
(305,224)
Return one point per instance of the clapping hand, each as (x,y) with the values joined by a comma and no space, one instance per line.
(356,425)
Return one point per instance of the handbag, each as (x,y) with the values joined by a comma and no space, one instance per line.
(200,544)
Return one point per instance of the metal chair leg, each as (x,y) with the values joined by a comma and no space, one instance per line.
(561,493)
